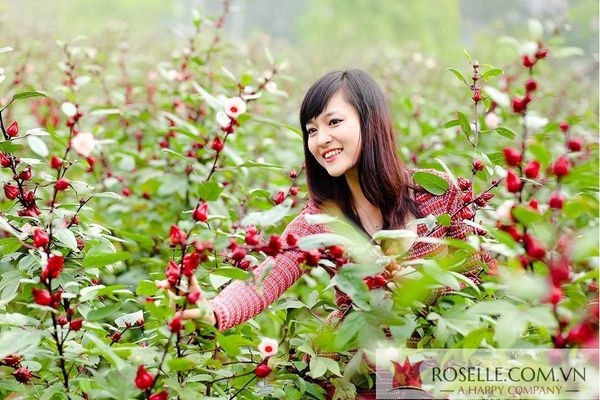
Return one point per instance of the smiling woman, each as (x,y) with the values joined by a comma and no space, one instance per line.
(352,165)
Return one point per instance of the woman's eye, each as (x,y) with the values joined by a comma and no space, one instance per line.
(311,131)
(335,121)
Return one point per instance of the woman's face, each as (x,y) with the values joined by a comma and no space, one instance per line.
(334,136)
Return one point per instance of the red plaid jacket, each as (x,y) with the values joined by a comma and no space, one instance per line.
(242,300)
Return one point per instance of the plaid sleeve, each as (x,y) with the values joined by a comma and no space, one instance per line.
(474,265)
(242,300)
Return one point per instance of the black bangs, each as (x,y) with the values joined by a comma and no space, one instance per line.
(318,96)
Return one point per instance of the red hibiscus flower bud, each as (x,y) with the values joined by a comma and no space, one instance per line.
(512,230)
(531,85)
(528,62)
(116,336)
(478,165)
(513,182)
(238,254)
(312,257)
(12,360)
(279,197)
(22,375)
(556,200)
(560,271)
(55,162)
(575,143)
(13,129)
(464,184)
(190,263)
(541,53)
(581,333)
(173,273)
(175,325)
(564,126)
(126,192)
(476,95)
(293,174)
(143,379)
(375,282)
(40,238)
(467,213)
(5,160)
(55,266)
(512,156)
(294,190)
(61,184)
(534,248)
(193,297)
(555,295)
(76,324)
(468,197)
(533,203)
(532,169)
(41,297)
(519,105)
(164,395)
(25,174)
(561,166)
(291,239)
(251,239)
(11,191)
(217,145)
(262,370)
(201,212)
(336,251)
(62,320)
(177,236)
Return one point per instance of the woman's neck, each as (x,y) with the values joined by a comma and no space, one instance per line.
(358,196)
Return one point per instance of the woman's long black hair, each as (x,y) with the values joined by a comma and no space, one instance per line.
(384,179)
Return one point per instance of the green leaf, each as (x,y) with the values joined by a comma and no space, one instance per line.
(146,288)
(352,324)
(142,240)
(66,237)
(507,133)
(9,245)
(181,364)
(37,145)
(102,349)
(451,123)
(458,75)
(317,367)
(349,282)
(96,259)
(17,340)
(25,95)
(491,73)
(432,183)
(526,215)
(103,312)
(322,240)
(231,272)
(509,328)
(444,220)
(465,125)
(209,191)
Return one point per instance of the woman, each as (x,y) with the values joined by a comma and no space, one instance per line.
(351,160)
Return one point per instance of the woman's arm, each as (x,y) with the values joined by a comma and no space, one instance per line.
(242,300)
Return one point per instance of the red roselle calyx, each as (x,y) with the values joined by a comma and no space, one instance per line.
(478,165)
(512,156)
(561,166)
(40,238)
(5,161)
(533,247)
(13,129)
(217,144)
(556,200)
(464,184)
(175,325)
(564,126)
(22,375)
(11,191)
(262,370)
(531,85)
(143,379)
(41,297)
(201,212)
(532,169)
(477,95)
(575,144)
(279,197)
(55,162)
(76,324)
(177,236)
(61,184)
(513,182)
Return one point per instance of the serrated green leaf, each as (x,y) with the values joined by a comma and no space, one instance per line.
(430,182)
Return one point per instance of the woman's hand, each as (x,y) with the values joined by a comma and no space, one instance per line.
(203,312)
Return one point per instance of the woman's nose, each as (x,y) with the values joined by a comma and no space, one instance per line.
(323,138)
